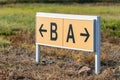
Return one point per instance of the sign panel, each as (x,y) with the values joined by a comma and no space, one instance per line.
(66,33)
(49,30)
(78,32)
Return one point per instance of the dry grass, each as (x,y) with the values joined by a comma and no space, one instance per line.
(4,42)
(17,60)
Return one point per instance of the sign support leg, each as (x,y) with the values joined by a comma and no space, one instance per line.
(37,53)
(97,46)
(97,62)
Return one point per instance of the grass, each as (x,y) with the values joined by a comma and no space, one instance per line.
(4,42)
(17,17)
(6,32)
(111,27)
(22,16)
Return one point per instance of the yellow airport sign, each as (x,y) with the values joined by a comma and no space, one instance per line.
(49,30)
(66,33)
(78,32)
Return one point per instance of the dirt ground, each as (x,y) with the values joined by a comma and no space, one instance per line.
(17,61)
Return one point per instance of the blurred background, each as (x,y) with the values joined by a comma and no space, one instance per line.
(17,42)
(57,1)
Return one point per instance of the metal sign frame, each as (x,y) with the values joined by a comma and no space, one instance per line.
(96,38)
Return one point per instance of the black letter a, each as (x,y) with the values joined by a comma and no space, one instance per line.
(53,31)
(72,35)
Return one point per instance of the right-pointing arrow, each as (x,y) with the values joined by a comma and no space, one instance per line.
(42,30)
(85,34)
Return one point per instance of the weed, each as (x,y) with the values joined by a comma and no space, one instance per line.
(22,16)
(4,42)
(111,27)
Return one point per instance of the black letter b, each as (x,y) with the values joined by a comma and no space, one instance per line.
(53,29)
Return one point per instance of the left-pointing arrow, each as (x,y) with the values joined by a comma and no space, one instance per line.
(42,30)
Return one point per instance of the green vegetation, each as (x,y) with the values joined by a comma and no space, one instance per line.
(17,44)
(111,27)
(14,17)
